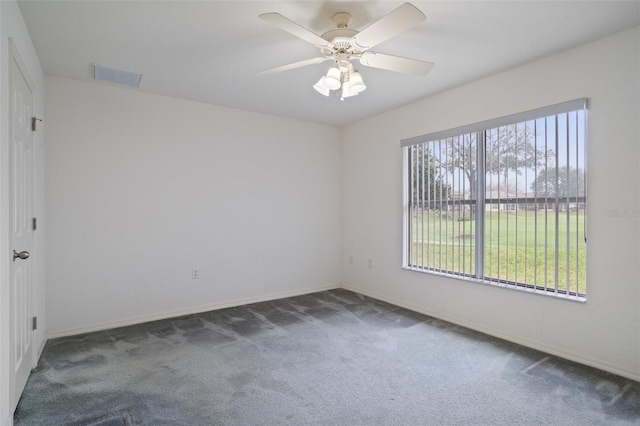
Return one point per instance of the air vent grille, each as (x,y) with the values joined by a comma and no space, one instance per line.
(115,76)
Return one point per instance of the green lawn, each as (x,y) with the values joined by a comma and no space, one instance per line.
(515,246)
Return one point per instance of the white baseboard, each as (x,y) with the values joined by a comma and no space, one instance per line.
(194,310)
(541,346)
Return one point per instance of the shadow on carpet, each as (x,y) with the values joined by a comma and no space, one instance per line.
(329,358)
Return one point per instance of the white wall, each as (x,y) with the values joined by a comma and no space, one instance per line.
(140,188)
(605,331)
(12,26)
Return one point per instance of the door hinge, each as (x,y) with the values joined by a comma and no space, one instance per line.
(35,323)
(34,224)
(33,123)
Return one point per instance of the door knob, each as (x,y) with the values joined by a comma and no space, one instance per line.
(22,255)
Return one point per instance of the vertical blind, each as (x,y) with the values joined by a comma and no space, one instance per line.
(503,201)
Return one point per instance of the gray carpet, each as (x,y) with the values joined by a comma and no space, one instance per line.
(329,358)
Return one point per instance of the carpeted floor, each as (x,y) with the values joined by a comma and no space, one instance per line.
(329,358)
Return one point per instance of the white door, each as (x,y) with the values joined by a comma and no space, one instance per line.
(21,192)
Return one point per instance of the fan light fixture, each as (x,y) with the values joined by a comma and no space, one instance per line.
(342,45)
(341,76)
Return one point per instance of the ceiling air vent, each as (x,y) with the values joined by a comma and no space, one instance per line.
(112,75)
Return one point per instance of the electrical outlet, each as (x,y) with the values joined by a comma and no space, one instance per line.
(195,273)
(350,260)
(370,263)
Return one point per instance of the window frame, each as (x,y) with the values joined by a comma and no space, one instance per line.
(481,202)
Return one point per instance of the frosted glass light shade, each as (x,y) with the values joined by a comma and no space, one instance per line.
(332,79)
(355,82)
(321,88)
(346,91)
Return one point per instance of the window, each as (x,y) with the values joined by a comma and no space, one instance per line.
(503,201)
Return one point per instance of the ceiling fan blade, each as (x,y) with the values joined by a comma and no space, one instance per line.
(294,65)
(395,22)
(293,28)
(395,63)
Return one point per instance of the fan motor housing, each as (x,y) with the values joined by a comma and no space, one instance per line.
(331,35)
(340,37)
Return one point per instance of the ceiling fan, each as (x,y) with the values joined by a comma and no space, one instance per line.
(343,44)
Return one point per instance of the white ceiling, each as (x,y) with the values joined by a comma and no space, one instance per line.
(210,51)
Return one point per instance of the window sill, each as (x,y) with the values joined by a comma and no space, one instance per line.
(544,293)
